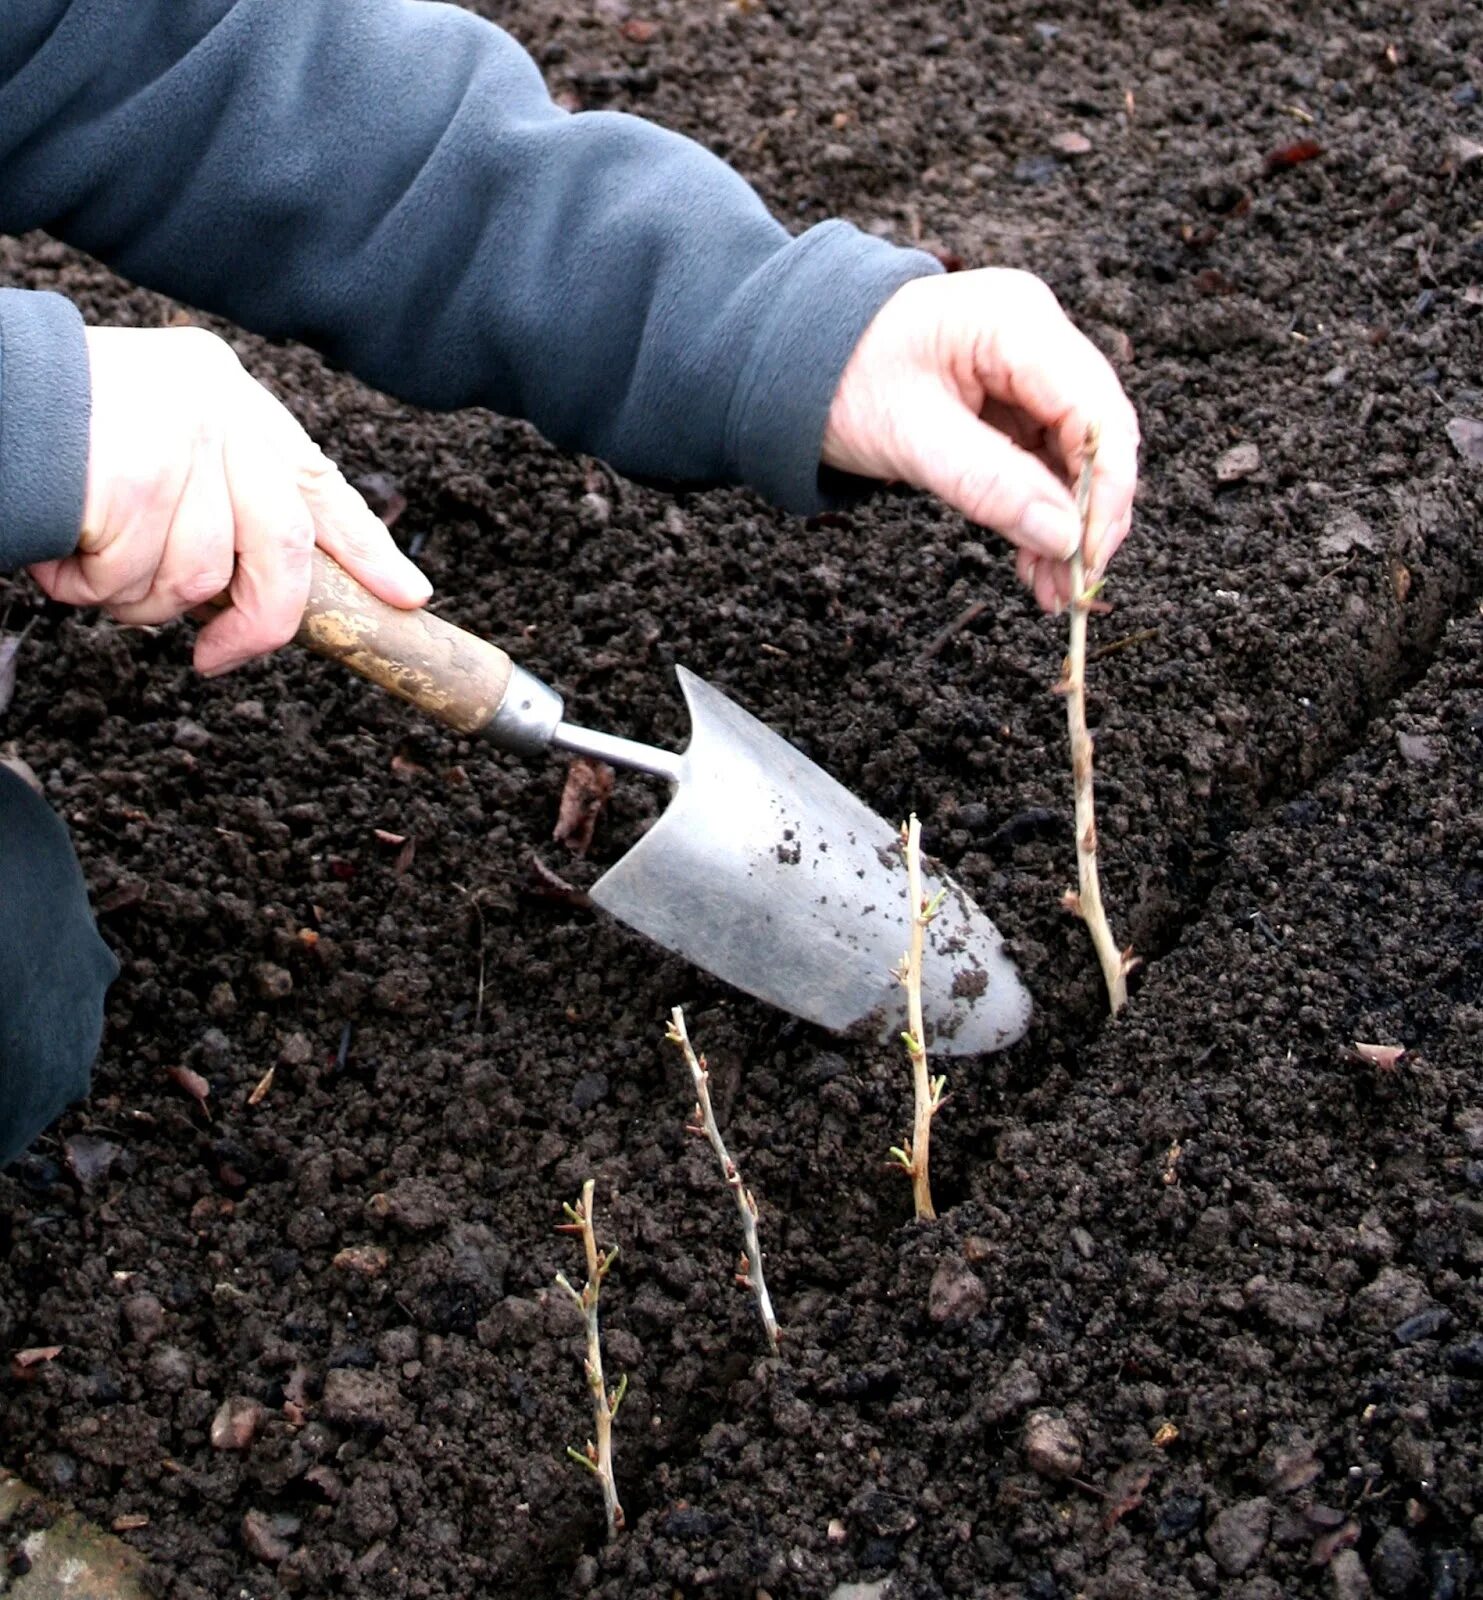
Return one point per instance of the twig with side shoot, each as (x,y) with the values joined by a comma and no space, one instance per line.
(598,1457)
(1086,900)
(749,1269)
(914,1158)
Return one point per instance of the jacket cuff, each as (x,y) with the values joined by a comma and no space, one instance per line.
(836,279)
(45,410)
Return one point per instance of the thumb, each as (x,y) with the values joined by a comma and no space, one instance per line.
(989,478)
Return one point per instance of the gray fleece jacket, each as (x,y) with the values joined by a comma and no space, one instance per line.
(389,181)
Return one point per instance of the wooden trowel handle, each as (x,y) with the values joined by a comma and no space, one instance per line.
(451,674)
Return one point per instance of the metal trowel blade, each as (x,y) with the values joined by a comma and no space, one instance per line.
(768,873)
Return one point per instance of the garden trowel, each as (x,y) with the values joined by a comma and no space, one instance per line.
(762,869)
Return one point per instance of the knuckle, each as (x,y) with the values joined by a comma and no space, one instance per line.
(205,583)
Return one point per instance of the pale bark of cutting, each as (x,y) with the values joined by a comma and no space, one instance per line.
(915,1158)
(1086,900)
(598,1455)
(749,1269)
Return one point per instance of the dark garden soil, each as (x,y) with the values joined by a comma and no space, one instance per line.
(1203,1312)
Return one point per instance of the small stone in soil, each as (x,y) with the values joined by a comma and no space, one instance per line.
(144,1317)
(1424,1325)
(1238,1535)
(1395,1565)
(236,1423)
(956,1294)
(1239,462)
(1052,1448)
(267,1537)
(1347,1577)
(1179,1514)
(1017,1390)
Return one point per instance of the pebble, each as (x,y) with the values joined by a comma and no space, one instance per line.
(1052,1448)
(1035,169)
(1237,1536)
(1290,1306)
(1239,462)
(415,1204)
(190,735)
(170,1369)
(1416,750)
(1390,1299)
(267,1537)
(956,1294)
(1017,1390)
(362,1399)
(1395,1564)
(365,1260)
(144,1317)
(1424,1325)
(236,1423)
(1470,1125)
(1180,1514)
(590,1090)
(1449,1571)
(272,982)
(1347,1576)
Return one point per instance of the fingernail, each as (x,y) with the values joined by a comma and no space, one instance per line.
(1051,530)
(418,585)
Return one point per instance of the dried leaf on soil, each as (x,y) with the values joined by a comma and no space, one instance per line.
(1125,1493)
(90,1158)
(406,767)
(584,797)
(544,884)
(1383,1056)
(22,1361)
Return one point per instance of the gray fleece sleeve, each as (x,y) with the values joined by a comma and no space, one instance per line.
(388,180)
(43,426)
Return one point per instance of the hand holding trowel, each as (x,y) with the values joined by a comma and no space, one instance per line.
(763,869)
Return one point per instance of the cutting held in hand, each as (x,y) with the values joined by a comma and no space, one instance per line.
(1086,900)
(762,869)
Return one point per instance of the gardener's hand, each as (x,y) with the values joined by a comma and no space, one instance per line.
(199,481)
(976,386)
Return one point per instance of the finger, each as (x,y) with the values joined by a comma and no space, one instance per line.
(344,524)
(66,581)
(357,538)
(274,546)
(1052,586)
(1040,362)
(987,477)
(200,549)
